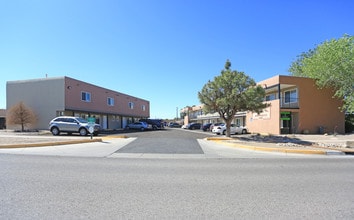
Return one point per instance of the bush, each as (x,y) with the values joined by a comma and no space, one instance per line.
(349,123)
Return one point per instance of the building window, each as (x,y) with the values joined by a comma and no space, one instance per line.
(270,97)
(290,96)
(110,101)
(143,108)
(86,96)
(131,105)
(238,122)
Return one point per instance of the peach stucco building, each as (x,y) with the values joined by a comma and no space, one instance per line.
(56,96)
(297,105)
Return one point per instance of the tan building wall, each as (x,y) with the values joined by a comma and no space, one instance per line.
(319,108)
(44,96)
(267,121)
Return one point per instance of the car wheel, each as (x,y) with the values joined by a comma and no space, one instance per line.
(142,129)
(244,131)
(55,131)
(83,131)
(224,132)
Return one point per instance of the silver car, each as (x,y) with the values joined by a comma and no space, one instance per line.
(138,125)
(234,129)
(71,125)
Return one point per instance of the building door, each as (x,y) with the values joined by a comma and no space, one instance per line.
(104,122)
(285,122)
(124,122)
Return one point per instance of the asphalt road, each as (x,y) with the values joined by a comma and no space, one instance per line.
(172,174)
(50,187)
(167,141)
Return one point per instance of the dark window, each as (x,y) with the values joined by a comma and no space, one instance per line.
(290,96)
(86,96)
(110,101)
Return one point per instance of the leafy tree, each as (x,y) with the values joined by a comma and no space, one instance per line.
(20,114)
(231,92)
(332,65)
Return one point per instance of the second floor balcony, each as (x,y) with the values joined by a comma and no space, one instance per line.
(286,94)
(286,102)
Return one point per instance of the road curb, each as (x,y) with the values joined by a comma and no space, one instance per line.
(114,136)
(56,143)
(218,138)
(48,144)
(276,149)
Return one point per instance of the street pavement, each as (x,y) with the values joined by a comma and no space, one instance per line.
(48,187)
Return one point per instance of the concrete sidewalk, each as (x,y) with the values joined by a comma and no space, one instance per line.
(303,144)
(45,139)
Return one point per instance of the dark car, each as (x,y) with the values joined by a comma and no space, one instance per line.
(193,126)
(174,125)
(155,123)
(206,127)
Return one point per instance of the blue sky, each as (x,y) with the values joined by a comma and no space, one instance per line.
(163,51)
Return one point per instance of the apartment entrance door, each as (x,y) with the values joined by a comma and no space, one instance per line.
(285,122)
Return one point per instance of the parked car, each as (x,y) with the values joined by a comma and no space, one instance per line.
(234,129)
(215,124)
(174,125)
(154,123)
(140,125)
(193,126)
(206,127)
(71,125)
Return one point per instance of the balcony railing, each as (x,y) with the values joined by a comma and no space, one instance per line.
(289,102)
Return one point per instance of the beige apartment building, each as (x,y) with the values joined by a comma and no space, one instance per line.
(196,114)
(57,96)
(297,105)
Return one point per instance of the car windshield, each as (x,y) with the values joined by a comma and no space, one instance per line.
(81,120)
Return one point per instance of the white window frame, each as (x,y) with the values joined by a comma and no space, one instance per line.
(87,97)
(131,105)
(143,108)
(290,97)
(238,122)
(110,101)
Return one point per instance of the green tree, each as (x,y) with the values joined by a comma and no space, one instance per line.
(20,114)
(331,64)
(231,92)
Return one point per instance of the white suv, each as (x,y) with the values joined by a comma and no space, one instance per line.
(234,129)
(71,125)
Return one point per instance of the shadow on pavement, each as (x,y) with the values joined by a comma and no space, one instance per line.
(274,139)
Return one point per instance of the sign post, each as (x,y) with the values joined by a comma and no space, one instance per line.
(91,124)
